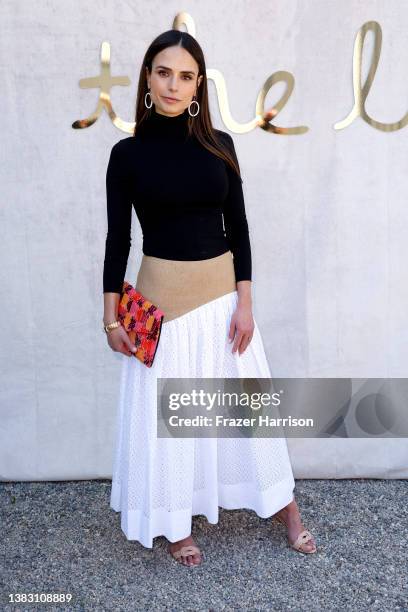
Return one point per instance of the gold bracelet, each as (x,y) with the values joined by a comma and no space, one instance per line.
(110,326)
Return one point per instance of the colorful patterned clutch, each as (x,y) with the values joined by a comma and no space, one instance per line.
(142,320)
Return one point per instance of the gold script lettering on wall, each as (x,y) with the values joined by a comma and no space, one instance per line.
(361,93)
(263,117)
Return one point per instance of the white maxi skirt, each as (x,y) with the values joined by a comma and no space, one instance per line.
(158,484)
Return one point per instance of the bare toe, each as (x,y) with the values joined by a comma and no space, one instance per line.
(193,556)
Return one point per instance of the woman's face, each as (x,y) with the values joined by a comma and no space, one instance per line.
(174,75)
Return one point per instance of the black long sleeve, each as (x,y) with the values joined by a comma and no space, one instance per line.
(181,193)
(119,215)
(235,221)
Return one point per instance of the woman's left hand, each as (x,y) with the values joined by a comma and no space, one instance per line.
(242,326)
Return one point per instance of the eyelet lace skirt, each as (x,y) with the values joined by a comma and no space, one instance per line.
(158,484)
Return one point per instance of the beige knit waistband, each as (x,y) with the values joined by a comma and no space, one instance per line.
(180,286)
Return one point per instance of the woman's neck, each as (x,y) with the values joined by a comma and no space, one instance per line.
(167,126)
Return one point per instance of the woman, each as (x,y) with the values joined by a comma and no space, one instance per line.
(182,177)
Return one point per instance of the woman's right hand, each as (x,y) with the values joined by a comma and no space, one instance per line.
(119,341)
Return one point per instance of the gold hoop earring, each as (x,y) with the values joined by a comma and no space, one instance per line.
(189,107)
(151,101)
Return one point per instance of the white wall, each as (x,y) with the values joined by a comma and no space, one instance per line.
(327,213)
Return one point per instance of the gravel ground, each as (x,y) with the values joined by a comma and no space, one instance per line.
(62,537)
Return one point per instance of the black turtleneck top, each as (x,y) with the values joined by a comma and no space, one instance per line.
(181,193)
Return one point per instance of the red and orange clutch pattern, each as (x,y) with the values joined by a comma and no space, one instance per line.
(143,322)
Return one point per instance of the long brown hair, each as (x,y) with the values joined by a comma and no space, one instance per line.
(200,126)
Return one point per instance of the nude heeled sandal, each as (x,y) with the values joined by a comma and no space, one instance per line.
(186,551)
(303,537)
